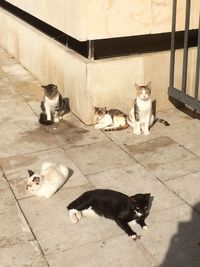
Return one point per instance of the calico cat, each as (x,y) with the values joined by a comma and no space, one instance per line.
(109,120)
(141,116)
(54,106)
(50,179)
(113,205)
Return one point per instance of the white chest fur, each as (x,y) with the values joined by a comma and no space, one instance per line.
(144,106)
(51,102)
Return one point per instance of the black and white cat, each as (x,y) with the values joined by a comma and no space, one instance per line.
(54,106)
(141,116)
(112,205)
(109,120)
(48,181)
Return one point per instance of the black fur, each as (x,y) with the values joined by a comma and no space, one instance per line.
(43,119)
(115,206)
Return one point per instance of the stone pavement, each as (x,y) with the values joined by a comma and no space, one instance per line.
(37,232)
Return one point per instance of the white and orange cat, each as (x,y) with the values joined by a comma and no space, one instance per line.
(141,116)
(48,181)
(109,119)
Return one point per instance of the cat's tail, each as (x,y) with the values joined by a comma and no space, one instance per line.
(66,105)
(130,123)
(111,128)
(166,123)
(64,170)
(65,108)
(43,119)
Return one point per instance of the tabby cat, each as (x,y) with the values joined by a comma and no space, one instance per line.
(54,106)
(113,205)
(141,116)
(109,120)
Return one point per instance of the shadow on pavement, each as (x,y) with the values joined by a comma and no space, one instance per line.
(184,249)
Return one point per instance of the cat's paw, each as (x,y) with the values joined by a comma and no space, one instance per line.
(145,227)
(73,216)
(146,132)
(56,119)
(78,215)
(136,131)
(135,237)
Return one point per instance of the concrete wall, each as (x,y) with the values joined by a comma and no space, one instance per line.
(97,19)
(89,83)
(47,60)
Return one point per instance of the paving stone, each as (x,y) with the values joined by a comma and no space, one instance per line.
(3,182)
(117,251)
(31,91)
(70,133)
(135,179)
(7,90)
(24,137)
(187,187)
(165,158)
(25,254)
(15,110)
(167,166)
(16,71)
(126,137)
(173,238)
(50,216)
(16,169)
(99,157)
(177,119)
(14,228)
(188,135)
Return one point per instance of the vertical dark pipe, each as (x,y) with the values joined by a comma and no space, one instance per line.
(172,56)
(198,64)
(185,54)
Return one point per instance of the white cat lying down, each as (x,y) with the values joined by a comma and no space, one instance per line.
(50,179)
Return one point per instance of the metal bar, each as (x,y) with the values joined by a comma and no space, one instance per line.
(91,50)
(184,98)
(185,55)
(172,55)
(198,65)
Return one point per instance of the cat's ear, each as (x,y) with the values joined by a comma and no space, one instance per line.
(30,172)
(96,109)
(36,179)
(147,196)
(137,86)
(134,198)
(149,84)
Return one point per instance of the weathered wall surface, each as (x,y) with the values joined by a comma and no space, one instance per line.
(48,61)
(108,82)
(89,19)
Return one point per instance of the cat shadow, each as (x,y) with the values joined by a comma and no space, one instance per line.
(180,106)
(69,174)
(150,202)
(184,249)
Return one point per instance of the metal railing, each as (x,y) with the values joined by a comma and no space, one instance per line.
(181,94)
